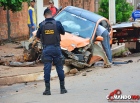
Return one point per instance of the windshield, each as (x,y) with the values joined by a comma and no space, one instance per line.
(75,24)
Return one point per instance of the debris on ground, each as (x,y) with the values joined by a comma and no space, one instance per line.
(25,83)
(99,64)
(24,64)
(19,47)
(5,56)
(14,55)
(124,62)
(89,70)
(122,53)
(1,62)
(84,74)
(35,84)
(138,60)
(73,71)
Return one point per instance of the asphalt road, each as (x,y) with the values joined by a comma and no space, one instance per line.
(92,88)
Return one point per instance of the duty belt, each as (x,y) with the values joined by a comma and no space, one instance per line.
(44,46)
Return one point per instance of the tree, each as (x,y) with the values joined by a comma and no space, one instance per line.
(13,5)
(123,10)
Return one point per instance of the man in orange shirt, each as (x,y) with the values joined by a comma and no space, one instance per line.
(52,7)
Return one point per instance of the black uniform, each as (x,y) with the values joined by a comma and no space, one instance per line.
(49,33)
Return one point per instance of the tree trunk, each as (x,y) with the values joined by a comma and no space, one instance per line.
(71,2)
(9,24)
(83,4)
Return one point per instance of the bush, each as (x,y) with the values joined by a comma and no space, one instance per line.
(123,10)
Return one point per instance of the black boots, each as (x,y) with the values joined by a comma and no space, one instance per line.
(47,90)
(62,87)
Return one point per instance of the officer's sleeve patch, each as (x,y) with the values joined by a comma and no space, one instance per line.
(49,32)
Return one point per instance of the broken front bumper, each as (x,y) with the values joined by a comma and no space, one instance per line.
(76,63)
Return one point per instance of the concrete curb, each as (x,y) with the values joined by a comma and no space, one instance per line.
(29,77)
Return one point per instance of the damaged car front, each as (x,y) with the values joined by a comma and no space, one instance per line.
(77,43)
(80,46)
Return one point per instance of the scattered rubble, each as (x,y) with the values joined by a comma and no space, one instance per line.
(99,64)
(14,55)
(1,62)
(26,83)
(35,84)
(5,56)
(89,70)
(24,64)
(73,71)
(138,60)
(19,47)
(84,74)
(123,53)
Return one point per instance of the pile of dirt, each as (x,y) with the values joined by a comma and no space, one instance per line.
(10,52)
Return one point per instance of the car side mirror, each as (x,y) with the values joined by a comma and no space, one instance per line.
(60,8)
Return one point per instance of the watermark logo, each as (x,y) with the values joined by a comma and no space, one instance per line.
(117,95)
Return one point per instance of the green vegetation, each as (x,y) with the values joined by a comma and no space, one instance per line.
(123,10)
(122,53)
(13,5)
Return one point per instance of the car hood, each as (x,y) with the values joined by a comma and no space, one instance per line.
(70,42)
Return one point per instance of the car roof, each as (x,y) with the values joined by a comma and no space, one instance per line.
(83,13)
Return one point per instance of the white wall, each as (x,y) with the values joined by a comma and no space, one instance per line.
(40,10)
(112,12)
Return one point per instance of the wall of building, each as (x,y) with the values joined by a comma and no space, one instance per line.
(133,2)
(85,4)
(18,21)
(3,25)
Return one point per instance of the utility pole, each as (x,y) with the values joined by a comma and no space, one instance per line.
(112,12)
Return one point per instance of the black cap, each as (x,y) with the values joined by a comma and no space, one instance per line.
(47,11)
(32,0)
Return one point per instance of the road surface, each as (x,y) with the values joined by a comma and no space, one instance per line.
(92,88)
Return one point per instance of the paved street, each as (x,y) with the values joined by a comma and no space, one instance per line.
(92,88)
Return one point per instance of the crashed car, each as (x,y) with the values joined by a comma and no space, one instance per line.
(80,46)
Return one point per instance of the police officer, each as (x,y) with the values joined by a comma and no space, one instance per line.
(49,33)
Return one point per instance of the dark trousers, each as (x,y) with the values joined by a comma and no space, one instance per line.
(52,54)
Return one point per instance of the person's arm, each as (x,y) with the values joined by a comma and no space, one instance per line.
(31,17)
(132,17)
(60,28)
(38,32)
